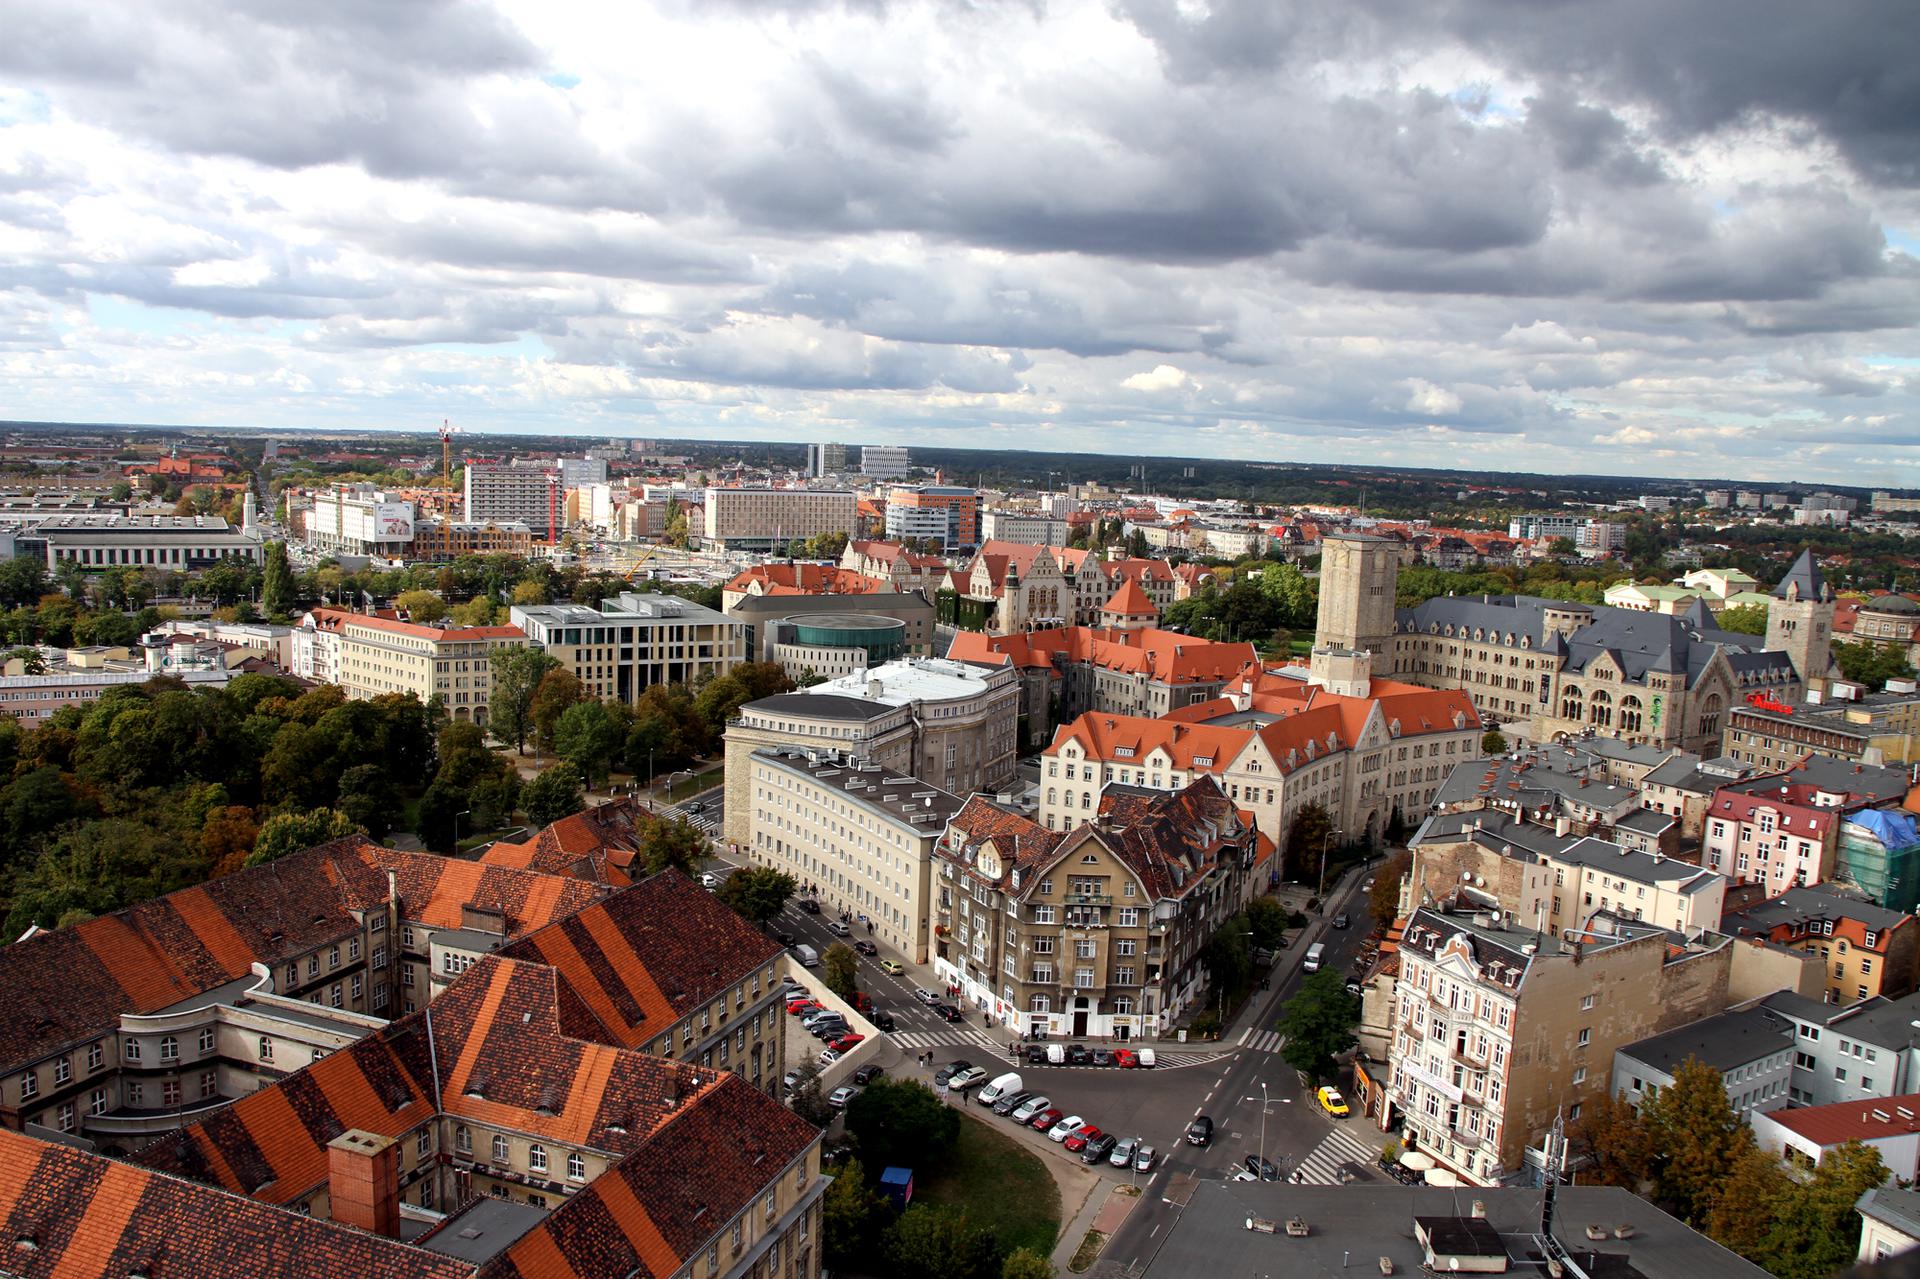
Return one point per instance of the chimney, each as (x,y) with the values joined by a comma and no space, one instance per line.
(1562,827)
(363,1181)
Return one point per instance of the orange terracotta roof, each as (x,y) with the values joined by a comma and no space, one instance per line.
(1130,601)
(806,579)
(1161,655)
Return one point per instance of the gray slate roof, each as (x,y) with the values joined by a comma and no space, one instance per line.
(1725,1041)
(820,706)
(1816,901)
(1803,579)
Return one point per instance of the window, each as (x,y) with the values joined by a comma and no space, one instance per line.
(66,1116)
(169,1048)
(266,1049)
(333,959)
(131,1052)
(1586,1004)
(333,995)
(94,1056)
(1586,1035)
(62,1070)
(313,965)
(353,948)
(499,1149)
(379,957)
(423,1143)
(576,1166)
(206,1040)
(1580,1075)
(209,1084)
(136,1095)
(29,1085)
(170,1092)
(463,1139)
(97,1102)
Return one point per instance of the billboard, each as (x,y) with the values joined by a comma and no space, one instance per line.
(393,521)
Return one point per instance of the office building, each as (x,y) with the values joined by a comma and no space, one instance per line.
(1033,528)
(864,834)
(826,459)
(359,519)
(634,641)
(1865,951)
(177,543)
(523,491)
(765,519)
(884,462)
(437,541)
(371,655)
(1750,1047)
(944,514)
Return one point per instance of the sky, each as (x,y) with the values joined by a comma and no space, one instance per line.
(1659,237)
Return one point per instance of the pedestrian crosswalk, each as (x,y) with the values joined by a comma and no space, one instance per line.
(1322,1167)
(974,1039)
(1266,1041)
(706,823)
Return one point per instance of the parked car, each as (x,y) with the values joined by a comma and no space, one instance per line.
(840,1096)
(948,1013)
(784,938)
(790,1080)
(862,1001)
(1010,1103)
(1200,1131)
(1102,1057)
(1333,1103)
(1353,985)
(882,1020)
(1341,920)
(1144,1158)
(1122,1154)
(796,1007)
(1077,1141)
(1125,1059)
(1064,1126)
(925,996)
(866,947)
(948,1071)
(1025,1112)
(1002,1084)
(1036,1054)
(1264,1169)
(1078,1055)
(709,880)
(1046,1119)
(837,928)
(846,1043)
(1146,1058)
(829,1028)
(1095,1152)
(866,1075)
(827,1057)
(891,966)
(809,905)
(967,1079)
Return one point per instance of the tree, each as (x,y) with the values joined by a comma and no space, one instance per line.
(558,690)
(757,893)
(1383,899)
(1493,742)
(852,1216)
(934,1241)
(1871,664)
(1746,619)
(30,659)
(1318,1024)
(1229,957)
(23,580)
(1307,838)
(588,736)
(98,868)
(481,610)
(901,1122)
(839,969)
(1268,920)
(672,841)
(517,673)
(291,832)
(531,591)
(554,794)
(1562,546)
(276,582)
(1696,1137)
(226,838)
(808,1101)
(1816,1231)
(1025,1263)
(423,607)
(368,798)
(1616,1141)
(1752,1198)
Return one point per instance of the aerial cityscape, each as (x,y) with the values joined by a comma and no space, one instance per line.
(1162,639)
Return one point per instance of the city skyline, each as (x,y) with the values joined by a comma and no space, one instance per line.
(1556,242)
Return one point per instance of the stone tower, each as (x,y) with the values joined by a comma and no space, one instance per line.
(1800,622)
(1359,577)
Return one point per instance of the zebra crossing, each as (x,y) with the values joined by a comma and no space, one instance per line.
(1322,1166)
(1266,1041)
(706,823)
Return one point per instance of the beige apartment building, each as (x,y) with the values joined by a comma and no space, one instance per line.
(865,835)
(373,656)
(635,641)
(1100,931)
(1496,1029)
(766,519)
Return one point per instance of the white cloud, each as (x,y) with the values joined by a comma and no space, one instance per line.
(1164,377)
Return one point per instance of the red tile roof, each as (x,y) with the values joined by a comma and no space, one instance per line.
(335,619)
(807,579)
(1842,1121)
(1165,656)
(1130,601)
(597,844)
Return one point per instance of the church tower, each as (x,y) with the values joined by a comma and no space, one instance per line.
(1800,622)
(1359,579)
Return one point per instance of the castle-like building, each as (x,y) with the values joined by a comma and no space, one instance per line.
(1565,667)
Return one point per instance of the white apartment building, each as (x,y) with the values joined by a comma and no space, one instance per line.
(1030,527)
(635,641)
(769,518)
(863,833)
(884,462)
(525,491)
(182,543)
(375,655)
(359,519)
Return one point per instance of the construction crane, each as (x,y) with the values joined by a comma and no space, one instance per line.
(447,430)
(640,561)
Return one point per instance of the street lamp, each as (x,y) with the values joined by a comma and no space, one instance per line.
(456,828)
(1331,832)
(1263,1123)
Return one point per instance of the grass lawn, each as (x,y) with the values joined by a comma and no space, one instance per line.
(1001,1184)
(688,787)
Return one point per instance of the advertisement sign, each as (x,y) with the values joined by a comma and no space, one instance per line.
(393,521)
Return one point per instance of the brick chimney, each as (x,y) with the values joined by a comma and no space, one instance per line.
(363,1181)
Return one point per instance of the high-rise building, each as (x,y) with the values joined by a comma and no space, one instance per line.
(578,472)
(767,518)
(941,513)
(826,459)
(884,462)
(359,519)
(525,491)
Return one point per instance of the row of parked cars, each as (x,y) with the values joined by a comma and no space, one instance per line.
(1082,1055)
(1006,1097)
(829,1025)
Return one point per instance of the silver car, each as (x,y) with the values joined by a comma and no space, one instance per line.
(1026,1110)
(1122,1155)
(1144,1158)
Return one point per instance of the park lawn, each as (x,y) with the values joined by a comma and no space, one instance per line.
(1002,1185)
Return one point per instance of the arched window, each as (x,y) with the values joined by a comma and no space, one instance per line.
(1570,702)
(1710,716)
(1050,796)
(1600,708)
(499,1149)
(537,1158)
(1630,717)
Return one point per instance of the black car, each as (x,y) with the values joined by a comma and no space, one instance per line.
(1102,1057)
(948,1013)
(1036,1054)
(809,905)
(1011,1102)
(948,1071)
(1341,920)
(1200,1131)
(785,939)
(1098,1149)
(1264,1169)
(882,1020)
(866,1075)
(866,947)
(828,1028)
(1078,1055)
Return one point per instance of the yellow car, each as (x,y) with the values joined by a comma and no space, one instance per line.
(1333,1103)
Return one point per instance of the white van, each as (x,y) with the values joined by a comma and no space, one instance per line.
(1056,1054)
(1146,1058)
(807,955)
(1003,1086)
(1314,952)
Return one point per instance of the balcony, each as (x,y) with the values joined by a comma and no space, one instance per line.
(1089,899)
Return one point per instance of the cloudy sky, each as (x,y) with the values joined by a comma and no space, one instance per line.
(1658,237)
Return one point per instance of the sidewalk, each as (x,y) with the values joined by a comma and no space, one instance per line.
(1101,1211)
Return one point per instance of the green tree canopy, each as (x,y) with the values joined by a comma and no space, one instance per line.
(291,832)
(757,893)
(1025,1263)
(1383,899)
(900,1122)
(554,794)
(1615,1140)
(424,607)
(839,969)
(97,868)
(558,690)
(852,1217)
(588,736)
(935,1241)
(276,582)
(1493,742)
(1747,619)
(1268,920)
(517,673)
(1318,1024)
(1696,1137)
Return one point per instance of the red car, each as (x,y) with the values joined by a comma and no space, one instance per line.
(799,1006)
(846,1042)
(1124,1058)
(1079,1137)
(1047,1119)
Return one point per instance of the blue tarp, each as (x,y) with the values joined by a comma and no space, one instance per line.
(1893,828)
